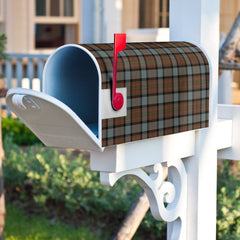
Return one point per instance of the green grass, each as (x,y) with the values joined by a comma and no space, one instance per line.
(21,227)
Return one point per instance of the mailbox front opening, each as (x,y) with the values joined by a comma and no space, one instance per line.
(71,75)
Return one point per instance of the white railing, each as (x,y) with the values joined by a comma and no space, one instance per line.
(22,70)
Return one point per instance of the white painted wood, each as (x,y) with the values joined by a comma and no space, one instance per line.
(225,87)
(112,22)
(231,112)
(144,153)
(148,35)
(159,192)
(224,134)
(107,110)
(97,15)
(198,21)
(201,171)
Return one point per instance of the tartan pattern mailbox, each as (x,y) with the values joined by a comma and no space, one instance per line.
(166,91)
(70,112)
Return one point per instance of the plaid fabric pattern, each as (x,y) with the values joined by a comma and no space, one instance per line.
(167,89)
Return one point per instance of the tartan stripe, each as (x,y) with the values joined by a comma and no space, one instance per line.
(167,89)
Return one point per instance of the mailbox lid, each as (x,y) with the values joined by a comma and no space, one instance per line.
(53,122)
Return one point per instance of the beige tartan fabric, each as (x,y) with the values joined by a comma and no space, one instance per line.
(167,89)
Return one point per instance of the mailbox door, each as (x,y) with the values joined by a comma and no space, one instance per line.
(53,122)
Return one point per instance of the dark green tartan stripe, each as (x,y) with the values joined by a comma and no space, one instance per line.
(168,89)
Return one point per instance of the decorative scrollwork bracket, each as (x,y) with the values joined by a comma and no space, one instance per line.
(168,199)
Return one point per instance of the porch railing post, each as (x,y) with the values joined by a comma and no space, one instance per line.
(40,65)
(8,73)
(21,66)
(19,72)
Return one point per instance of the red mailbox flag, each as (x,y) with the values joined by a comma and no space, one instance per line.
(119,45)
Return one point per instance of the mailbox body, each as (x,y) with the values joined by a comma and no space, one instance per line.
(166,91)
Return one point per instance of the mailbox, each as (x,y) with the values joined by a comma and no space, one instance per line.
(165,89)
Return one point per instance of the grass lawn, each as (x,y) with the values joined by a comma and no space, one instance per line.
(21,227)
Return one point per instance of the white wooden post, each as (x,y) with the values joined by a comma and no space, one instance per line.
(198,21)
(225,94)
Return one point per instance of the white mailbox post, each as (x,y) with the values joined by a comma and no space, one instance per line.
(187,129)
(198,21)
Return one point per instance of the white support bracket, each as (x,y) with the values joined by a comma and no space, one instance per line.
(168,199)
